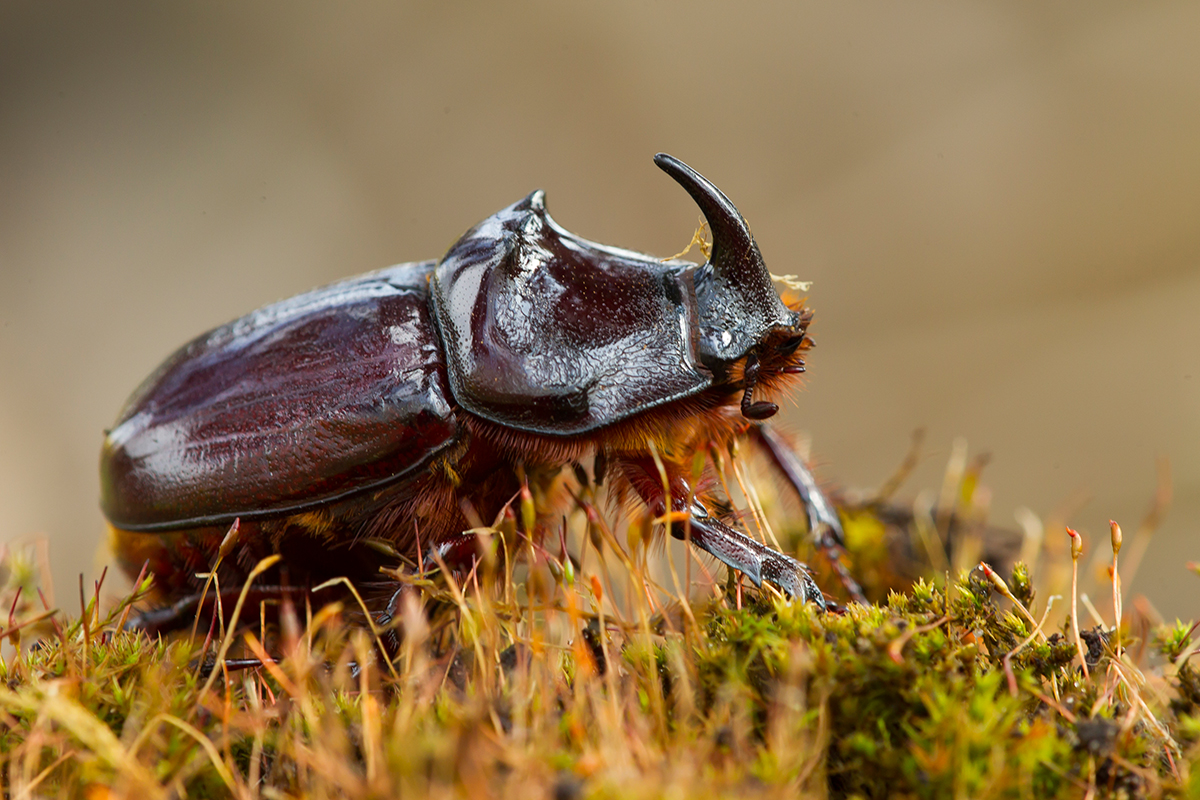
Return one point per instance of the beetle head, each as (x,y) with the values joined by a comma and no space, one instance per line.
(741,318)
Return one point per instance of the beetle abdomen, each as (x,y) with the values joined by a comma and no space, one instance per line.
(323,395)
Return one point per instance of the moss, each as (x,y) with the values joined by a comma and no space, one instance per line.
(940,690)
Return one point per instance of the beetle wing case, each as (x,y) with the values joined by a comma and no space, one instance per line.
(322,395)
(550,333)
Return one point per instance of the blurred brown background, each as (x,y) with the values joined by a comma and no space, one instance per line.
(998,203)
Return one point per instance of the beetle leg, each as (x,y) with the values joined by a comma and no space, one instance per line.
(753,558)
(181,613)
(167,618)
(731,547)
(233,665)
(823,520)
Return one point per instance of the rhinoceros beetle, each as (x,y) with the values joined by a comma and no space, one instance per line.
(384,406)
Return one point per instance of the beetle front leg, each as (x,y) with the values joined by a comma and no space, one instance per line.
(731,547)
(823,521)
(753,558)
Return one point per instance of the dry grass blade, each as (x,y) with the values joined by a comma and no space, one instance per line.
(90,732)
(214,756)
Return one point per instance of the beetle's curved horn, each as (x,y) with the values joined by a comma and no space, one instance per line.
(735,257)
(734,293)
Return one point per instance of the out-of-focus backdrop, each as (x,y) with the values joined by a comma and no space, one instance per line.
(998,204)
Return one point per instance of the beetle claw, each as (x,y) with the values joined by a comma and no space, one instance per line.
(793,577)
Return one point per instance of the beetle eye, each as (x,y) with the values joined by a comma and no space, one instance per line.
(790,344)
